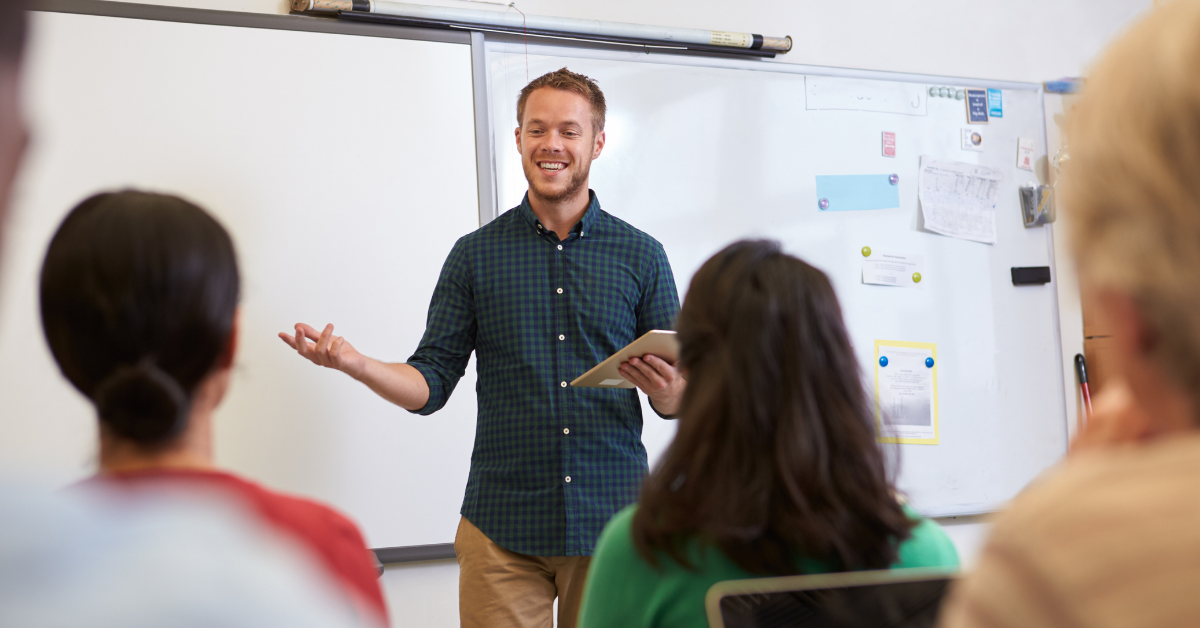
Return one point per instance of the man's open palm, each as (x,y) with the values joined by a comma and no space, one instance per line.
(325,349)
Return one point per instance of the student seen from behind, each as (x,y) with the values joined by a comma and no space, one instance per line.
(139,298)
(774,469)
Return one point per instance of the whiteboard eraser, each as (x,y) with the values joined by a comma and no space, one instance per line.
(1030,275)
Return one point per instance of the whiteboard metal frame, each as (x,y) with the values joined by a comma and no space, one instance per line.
(513,44)
(485,152)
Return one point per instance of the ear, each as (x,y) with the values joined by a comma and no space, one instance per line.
(225,360)
(1119,314)
(517,133)
(599,145)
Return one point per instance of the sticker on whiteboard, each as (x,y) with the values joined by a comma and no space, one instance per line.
(977,106)
(972,139)
(1024,153)
(889,144)
(995,103)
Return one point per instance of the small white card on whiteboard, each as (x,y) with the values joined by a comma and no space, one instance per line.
(893,268)
(972,139)
(1025,153)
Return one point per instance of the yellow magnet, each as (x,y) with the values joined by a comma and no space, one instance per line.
(916,277)
(866,251)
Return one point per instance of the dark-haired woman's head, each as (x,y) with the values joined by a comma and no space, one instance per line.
(775,456)
(139,294)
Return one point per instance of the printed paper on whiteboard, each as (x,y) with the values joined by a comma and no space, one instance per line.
(958,199)
(1024,153)
(893,268)
(906,392)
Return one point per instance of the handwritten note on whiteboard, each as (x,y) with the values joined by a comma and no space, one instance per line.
(959,200)
(827,92)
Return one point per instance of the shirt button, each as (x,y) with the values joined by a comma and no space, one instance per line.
(562,337)
(564,384)
(560,247)
(560,290)
(568,479)
(566,430)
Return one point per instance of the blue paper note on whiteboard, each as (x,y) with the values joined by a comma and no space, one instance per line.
(852,192)
(995,103)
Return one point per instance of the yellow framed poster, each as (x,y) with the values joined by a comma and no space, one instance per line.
(906,394)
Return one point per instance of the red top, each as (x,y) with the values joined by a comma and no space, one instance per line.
(332,537)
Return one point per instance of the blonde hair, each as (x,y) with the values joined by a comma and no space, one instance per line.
(1131,189)
(567,81)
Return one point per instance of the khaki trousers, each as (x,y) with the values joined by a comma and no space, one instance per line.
(502,589)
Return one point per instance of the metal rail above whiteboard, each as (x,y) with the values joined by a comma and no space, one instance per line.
(108,8)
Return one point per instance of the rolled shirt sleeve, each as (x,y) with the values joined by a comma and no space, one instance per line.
(450,331)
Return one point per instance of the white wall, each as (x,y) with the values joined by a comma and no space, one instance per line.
(1022,40)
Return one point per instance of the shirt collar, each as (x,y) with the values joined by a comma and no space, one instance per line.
(583,227)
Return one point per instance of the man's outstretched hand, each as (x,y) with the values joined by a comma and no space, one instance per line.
(325,349)
(661,381)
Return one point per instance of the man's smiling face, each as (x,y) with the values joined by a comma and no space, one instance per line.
(557,143)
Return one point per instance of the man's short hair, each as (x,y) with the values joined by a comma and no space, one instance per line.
(567,81)
(13,18)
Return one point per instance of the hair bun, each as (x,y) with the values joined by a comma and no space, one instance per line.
(142,403)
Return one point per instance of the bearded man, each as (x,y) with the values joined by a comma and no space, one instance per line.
(542,293)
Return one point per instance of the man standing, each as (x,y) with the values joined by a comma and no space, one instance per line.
(541,294)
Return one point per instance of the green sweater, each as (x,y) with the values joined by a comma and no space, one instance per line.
(624,591)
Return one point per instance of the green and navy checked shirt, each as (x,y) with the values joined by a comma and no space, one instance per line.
(551,463)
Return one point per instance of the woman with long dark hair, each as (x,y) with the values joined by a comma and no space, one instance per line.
(774,470)
(139,297)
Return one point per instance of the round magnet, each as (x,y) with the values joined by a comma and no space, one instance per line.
(866,251)
(823,203)
(959,95)
(928,363)
(916,277)
(943,91)
(933,91)
(883,360)
(893,179)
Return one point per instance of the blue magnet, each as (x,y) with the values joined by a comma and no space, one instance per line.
(894,179)
(823,203)
(928,363)
(883,360)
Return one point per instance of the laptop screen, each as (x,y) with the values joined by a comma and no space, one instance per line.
(885,599)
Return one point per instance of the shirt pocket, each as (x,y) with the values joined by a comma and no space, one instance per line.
(606,305)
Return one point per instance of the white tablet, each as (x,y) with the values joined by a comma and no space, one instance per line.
(657,342)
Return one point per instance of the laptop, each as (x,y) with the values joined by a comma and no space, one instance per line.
(895,598)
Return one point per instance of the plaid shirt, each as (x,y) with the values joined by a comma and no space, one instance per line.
(551,463)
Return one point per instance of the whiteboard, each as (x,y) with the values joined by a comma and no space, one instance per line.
(344,168)
(701,152)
